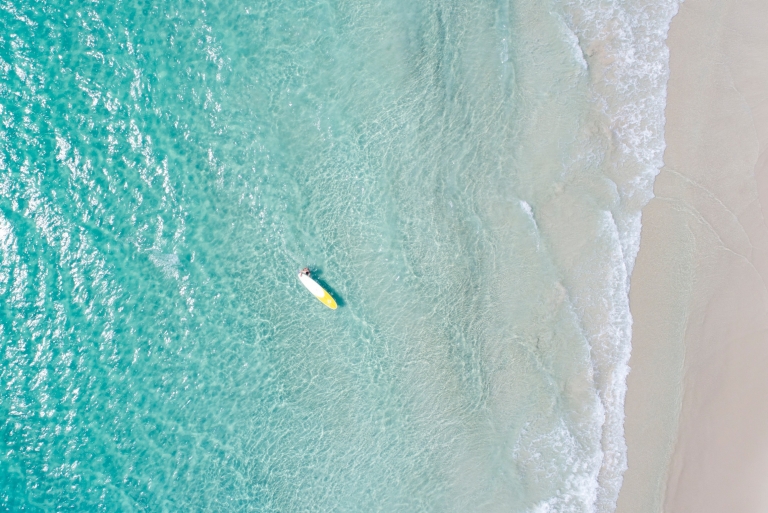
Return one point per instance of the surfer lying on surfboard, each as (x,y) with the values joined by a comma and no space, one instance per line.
(316,289)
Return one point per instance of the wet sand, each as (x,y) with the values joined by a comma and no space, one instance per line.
(696,411)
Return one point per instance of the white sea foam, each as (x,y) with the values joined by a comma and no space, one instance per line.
(529,212)
(628,61)
(563,451)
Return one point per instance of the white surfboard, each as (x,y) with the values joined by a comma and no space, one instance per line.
(319,292)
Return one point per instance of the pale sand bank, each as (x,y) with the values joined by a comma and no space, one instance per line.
(697,400)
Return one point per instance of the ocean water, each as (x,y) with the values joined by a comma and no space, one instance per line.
(466,178)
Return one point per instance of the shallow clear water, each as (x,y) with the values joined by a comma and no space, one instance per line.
(464,177)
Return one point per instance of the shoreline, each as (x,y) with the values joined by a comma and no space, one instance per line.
(696,426)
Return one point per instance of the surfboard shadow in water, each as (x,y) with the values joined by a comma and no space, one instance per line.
(316,275)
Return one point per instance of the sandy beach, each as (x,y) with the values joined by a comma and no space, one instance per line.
(696,420)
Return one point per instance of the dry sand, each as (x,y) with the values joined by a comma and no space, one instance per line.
(697,400)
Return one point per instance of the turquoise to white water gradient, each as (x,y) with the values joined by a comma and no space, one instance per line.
(464,177)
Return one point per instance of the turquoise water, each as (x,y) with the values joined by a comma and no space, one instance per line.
(464,177)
